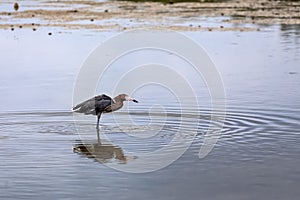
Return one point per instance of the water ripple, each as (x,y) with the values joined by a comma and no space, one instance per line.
(241,126)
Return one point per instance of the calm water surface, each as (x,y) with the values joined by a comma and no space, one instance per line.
(257,155)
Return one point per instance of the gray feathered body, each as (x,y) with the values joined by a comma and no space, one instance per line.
(99,104)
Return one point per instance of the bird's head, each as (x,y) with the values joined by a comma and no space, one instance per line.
(125,97)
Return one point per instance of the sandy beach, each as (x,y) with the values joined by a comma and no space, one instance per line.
(93,15)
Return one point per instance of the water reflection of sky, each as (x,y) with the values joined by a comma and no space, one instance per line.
(38,71)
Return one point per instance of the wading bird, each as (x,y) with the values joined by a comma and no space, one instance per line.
(102,104)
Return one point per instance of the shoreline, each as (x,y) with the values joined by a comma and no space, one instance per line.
(122,15)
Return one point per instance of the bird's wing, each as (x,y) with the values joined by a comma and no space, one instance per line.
(87,107)
(103,97)
(83,103)
(97,103)
(102,104)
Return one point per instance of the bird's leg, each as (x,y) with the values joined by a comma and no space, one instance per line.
(98,119)
(98,137)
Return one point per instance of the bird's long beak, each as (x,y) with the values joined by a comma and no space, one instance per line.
(131,99)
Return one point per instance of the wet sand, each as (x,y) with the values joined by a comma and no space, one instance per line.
(121,15)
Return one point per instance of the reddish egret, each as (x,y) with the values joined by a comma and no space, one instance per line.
(102,104)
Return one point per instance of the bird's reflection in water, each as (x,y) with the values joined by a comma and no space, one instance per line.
(102,153)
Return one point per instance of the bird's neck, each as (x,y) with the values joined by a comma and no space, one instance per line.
(118,103)
(118,100)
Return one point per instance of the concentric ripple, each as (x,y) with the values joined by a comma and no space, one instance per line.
(243,126)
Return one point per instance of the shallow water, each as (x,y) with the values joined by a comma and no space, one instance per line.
(257,155)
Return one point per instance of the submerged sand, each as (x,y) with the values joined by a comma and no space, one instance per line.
(245,15)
